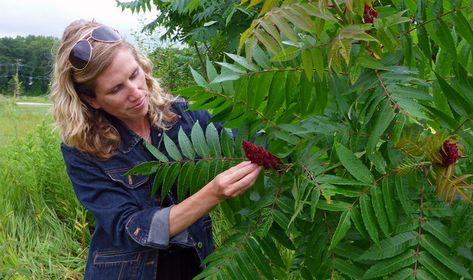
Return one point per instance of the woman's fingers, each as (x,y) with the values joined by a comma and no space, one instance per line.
(245,183)
(239,172)
(248,179)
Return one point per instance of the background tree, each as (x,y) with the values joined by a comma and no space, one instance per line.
(210,27)
(31,58)
(171,65)
(369,107)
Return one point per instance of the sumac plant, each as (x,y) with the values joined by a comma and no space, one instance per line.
(368,106)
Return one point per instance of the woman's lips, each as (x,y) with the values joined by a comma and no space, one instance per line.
(139,104)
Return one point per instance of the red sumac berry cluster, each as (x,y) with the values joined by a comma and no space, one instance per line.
(260,156)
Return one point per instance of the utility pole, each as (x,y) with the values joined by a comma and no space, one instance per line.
(17,83)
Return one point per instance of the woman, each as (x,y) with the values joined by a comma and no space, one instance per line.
(106,105)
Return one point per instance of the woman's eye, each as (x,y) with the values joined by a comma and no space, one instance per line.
(115,89)
(134,74)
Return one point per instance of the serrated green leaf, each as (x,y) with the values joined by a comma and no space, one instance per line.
(258,258)
(297,19)
(199,142)
(337,180)
(211,71)
(243,264)
(388,266)
(445,37)
(318,61)
(458,102)
(379,211)
(169,179)
(286,54)
(159,178)
(171,148)
(402,193)
(435,267)
(435,248)
(383,120)
(314,200)
(343,226)
(285,28)
(358,222)
(227,143)
(224,77)
(378,162)
(213,141)
(314,10)
(185,144)
(336,206)
(198,172)
(233,68)
(184,180)
(261,57)
(422,274)
(276,94)
(268,5)
(155,152)
(371,63)
(307,63)
(198,78)
(273,31)
(390,247)
(406,273)
(145,168)
(390,202)
(348,251)
(369,218)
(270,249)
(351,270)
(463,27)
(356,168)
(242,61)
(439,230)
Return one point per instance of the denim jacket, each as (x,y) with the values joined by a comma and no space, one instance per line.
(131,225)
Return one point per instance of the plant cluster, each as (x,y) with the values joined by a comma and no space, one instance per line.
(371,102)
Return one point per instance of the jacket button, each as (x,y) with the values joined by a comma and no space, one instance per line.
(200,245)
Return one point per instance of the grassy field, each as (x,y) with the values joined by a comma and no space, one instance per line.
(19,120)
(44,231)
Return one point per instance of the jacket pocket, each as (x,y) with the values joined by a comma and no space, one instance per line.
(115,257)
(129,181)
(115,265)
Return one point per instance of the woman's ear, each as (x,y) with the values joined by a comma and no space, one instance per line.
(90,101)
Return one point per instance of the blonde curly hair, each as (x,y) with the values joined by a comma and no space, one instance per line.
(81,126)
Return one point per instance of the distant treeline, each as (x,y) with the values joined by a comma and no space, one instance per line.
(32,58)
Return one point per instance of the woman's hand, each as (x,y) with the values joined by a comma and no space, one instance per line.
(229,183)
(235,180)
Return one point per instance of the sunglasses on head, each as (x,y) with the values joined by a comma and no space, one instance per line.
(81,53)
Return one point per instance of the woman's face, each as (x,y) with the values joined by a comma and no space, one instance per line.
(121,89)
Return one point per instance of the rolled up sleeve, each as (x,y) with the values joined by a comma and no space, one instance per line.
(117,213)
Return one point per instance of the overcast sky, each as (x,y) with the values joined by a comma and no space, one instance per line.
(50,17)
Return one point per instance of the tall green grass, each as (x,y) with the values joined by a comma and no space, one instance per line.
(44,231)
(18,120)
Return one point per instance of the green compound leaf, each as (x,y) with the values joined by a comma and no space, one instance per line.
(198,140)
(356,168)
(344,225)
(172,149)
(185,144)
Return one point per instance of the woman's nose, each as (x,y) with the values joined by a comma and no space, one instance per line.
(134,90)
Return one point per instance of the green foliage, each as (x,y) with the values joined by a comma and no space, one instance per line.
(359,112)
(44,231)
(31,58)
(171,65)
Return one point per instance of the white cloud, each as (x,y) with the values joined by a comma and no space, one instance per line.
(50,17)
